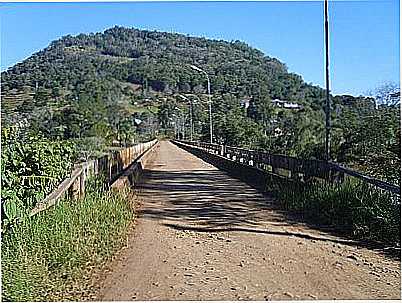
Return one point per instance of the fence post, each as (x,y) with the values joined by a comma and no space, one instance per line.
(109,161)
(82,183)
(74,191)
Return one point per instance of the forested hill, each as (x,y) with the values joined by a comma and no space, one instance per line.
(125,84)
(103,64)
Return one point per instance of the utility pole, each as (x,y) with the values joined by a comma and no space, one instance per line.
(209,100)
(191,120)
(175,129)
(210,110)
(328,103)
(183,128)
(190,104)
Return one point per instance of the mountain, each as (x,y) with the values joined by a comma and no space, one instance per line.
(97,84)
(127,85)
(114,64)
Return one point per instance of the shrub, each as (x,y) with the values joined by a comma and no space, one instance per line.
(31,167)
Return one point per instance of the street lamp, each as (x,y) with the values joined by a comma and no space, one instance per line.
(174,125)
(191,115)
(193,102)
(209,98)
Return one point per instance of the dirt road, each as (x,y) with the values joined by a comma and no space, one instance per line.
(202,235)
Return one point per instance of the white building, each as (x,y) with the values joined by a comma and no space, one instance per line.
(286,104)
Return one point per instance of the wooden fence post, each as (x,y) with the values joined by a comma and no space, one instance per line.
(82,183)
(109,162)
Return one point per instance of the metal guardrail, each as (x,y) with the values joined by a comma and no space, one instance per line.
(111,166)
(301,169)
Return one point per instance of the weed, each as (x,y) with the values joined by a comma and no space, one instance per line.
(44,254)
(358,208)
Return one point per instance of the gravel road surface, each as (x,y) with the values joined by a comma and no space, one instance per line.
(202,235)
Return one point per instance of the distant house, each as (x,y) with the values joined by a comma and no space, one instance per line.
(395,97)
(278,132)
(245,102)
(390,98)
(137,121)
(286,104)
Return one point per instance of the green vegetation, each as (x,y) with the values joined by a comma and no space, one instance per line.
(370,141)
(123,85)
(97,84)
(82,94)
(44,257)
(31,167)
(353,207)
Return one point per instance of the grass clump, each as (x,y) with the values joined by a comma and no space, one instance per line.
(357,208)
(45,254)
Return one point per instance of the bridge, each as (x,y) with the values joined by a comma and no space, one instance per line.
(206,230)
(202,234)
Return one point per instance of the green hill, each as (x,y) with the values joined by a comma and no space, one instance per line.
(107,66)
(98,85)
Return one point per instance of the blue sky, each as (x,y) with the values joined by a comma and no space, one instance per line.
(364,34)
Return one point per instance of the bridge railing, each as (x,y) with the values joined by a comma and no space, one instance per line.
(110,166)
(291,167)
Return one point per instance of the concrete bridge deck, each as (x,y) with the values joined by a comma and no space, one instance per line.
(203,235)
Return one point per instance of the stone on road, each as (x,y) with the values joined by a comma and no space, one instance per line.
(202,235)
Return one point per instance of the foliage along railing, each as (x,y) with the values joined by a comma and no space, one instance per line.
(291,167)
(110,166)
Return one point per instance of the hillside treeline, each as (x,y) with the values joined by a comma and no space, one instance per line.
(124,84)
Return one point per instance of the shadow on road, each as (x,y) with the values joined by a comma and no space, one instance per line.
(210,200)
(207,197)
(259,231)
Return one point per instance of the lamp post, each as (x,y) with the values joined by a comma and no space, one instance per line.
(194,102)
(172,122)
(191,115)
(209,99)
(183,127)
(175,124)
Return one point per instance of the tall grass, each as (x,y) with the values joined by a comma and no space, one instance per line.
(358,208)
(44,255)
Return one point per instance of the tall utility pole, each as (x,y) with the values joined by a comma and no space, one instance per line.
(191,120)
(183,129)
(209,100)
(210,110)
(328,103)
